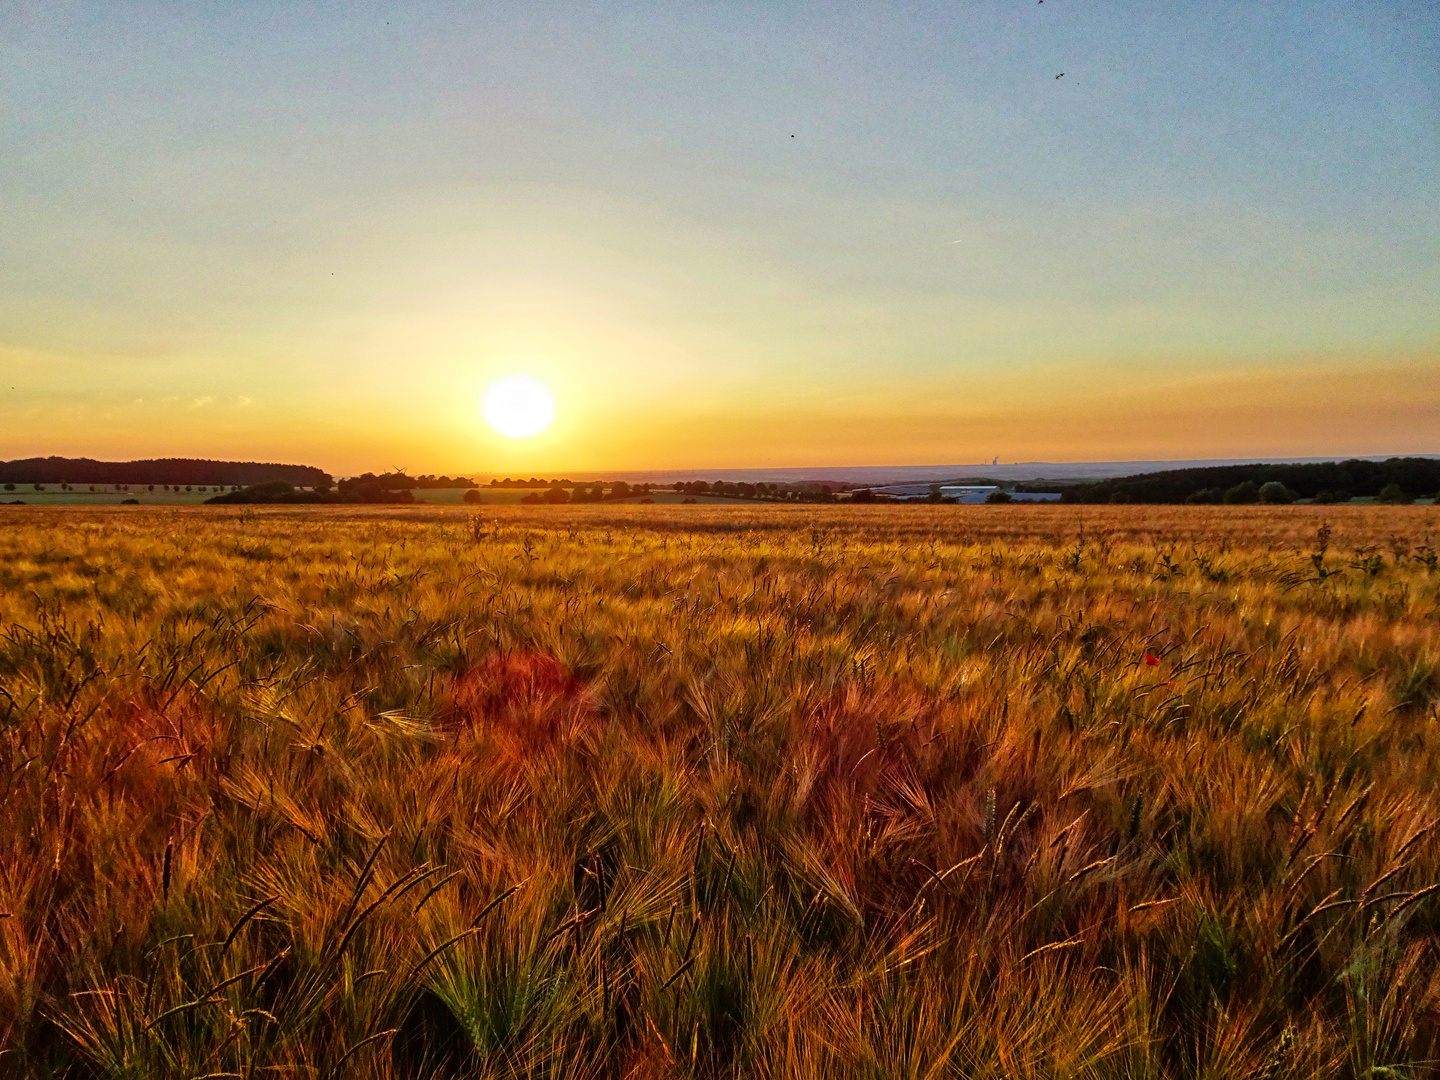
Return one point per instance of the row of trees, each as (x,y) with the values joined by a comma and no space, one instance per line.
(352,490)
(599,490)
(430,480)
(729,490)
(127,487)
(533,482)
(806,492)
(604,491)
(582,493)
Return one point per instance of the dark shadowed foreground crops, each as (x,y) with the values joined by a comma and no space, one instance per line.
(928,792)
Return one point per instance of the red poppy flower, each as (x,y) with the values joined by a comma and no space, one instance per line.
(1152,659)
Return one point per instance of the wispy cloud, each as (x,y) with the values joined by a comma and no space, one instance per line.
(202,402)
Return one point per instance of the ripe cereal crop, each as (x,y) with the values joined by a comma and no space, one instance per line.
(651,791)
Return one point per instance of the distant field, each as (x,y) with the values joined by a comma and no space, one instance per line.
(742,790)
(104,496)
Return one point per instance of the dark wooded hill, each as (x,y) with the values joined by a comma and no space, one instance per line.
(61,470)
(1327,480)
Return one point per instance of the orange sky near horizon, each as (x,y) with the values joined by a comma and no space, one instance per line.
(1317,407)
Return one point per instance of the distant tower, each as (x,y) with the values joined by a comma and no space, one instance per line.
(996,461)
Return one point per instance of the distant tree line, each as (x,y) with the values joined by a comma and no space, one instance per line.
(583,493)
(196,472)
(274,491)
(533,482)
(725,489)
(556,492)
(399,481)
(10,486)
(1394,480)
(367,488)
(429,480)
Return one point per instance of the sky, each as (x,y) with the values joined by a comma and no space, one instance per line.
(722,234)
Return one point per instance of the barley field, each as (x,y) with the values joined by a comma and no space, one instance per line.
(653,791)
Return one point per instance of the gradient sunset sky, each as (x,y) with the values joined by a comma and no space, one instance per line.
(724,234)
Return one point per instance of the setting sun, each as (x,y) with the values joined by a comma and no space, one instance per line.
(519,407)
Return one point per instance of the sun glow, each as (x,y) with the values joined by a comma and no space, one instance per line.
(519,407)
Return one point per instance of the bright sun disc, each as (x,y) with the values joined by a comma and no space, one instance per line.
(519,407)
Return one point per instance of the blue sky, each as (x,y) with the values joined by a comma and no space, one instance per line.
(722,233)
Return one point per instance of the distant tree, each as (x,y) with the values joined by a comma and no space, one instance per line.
(1326,497)
(1116,497)
(9,487)
(129,502)
(1275,493)
(864,495)
(1205,495)
(998,496)
(39,487)
(1243,494)
(557,495)
(1395,495)
(619,490)
(472,496)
